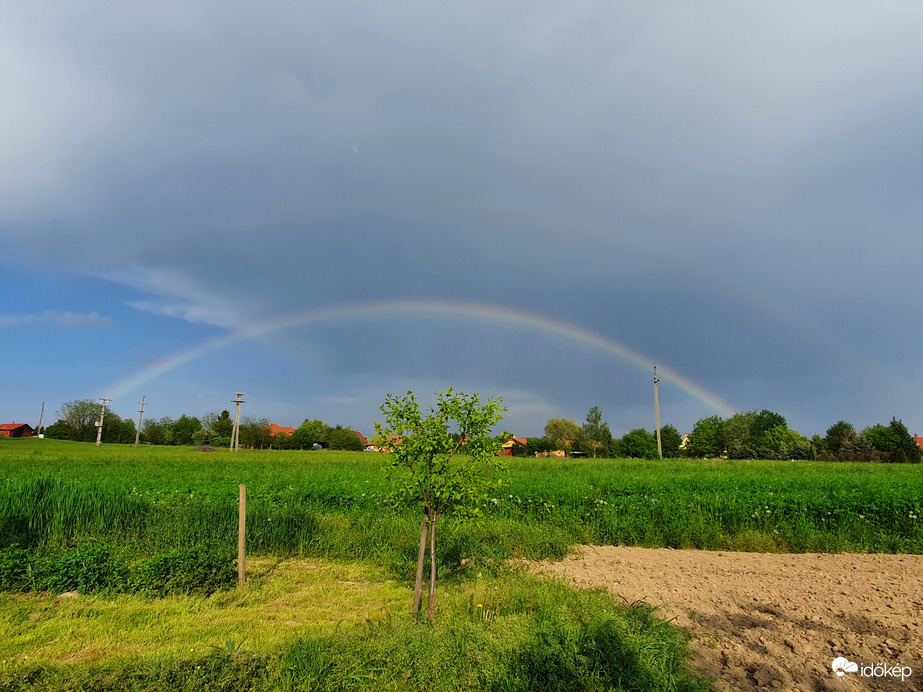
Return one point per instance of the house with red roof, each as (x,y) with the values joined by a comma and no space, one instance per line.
(280,429)
(507,450)
(15,430)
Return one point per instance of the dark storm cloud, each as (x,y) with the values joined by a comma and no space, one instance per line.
(729,189)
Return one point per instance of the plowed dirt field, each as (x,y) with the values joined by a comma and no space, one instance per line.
(769,621)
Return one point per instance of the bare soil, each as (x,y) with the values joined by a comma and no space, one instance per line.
(770,621)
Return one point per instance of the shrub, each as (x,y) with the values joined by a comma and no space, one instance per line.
(87,569)
(201,570)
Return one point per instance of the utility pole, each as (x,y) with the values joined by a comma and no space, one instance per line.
(138,431)
(657,410)
(38,430)
(235,431)
(99,424)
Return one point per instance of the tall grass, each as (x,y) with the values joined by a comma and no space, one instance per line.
(334,505)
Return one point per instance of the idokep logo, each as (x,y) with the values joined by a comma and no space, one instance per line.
(841,666)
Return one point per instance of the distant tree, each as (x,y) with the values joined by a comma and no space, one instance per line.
(765,421)
(707,438)
(254,433)
(738,434)
(222,425)
(343,439)
(670,442)
(183,429)
(535,445)
(781,442)
(309,433)
(638,444)
(595,433)
(155,431)
(907,449)
(58,430)
(79,418)
(562,432)
(883,438)
(440,461)
(123,432)
(839,434)
(860,450)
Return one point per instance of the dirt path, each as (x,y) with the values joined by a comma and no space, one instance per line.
(764,621)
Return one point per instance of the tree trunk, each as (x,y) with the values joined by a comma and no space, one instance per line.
(418,587)
(431,609)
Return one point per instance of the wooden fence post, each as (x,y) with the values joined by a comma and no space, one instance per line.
(242,537)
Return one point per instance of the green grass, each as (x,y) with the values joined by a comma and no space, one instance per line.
(333,504)
(342,627)
(326,605)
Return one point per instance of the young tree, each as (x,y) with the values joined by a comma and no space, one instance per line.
(439,462)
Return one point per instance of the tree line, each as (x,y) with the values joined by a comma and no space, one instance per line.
(77,421)
(745,435)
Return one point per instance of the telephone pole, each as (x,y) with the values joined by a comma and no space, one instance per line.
(138,431)
(99,424)
(38,430)
(657,410)
(235,431)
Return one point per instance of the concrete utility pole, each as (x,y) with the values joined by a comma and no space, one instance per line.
(38,430)
(657,409)
(235,431)
(138,431)
(99,424)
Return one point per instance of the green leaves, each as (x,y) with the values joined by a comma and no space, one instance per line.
(439,456)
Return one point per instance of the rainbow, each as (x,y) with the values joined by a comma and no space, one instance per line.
(421,309)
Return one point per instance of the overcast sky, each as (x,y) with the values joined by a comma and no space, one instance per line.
(730,191)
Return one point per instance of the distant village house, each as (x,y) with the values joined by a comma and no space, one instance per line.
(279,429)
(15,430)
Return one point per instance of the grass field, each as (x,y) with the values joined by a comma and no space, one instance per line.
(325,606)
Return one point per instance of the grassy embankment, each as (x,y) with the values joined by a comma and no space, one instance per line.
(496,630)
